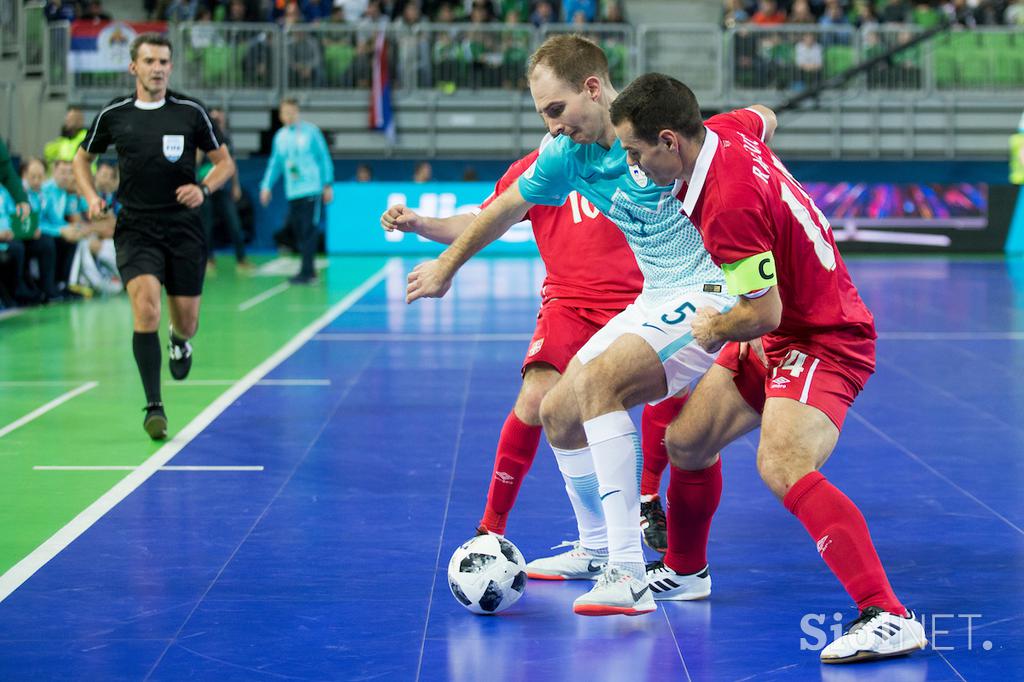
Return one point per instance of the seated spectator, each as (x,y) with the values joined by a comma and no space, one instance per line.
(543,13)
(926,16)
(1014,15)
(809,60)
(801,13)
(316,10)
(588,7)
(834,14)
(895,12)
(613,13)
(61,219)
(39,247)
(94,266)
(735,13)
(12,258)
(423,172)
(182,10)
(60,10)
(768,14)
(364,173)
(864,15)
(94,12)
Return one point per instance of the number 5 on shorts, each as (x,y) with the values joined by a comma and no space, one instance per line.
(682,314)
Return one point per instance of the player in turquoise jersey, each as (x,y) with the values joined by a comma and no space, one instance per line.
(644,354)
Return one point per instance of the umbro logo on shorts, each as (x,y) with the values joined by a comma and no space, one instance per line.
(780,382)
(504,478)
(823,543)
(535,347)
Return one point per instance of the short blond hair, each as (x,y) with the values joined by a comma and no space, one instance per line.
(572,58)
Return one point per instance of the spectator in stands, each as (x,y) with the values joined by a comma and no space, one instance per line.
(469,174)
(834,14)
(94,12)
(61,220)
(182,10)
(445,14)
(72,133)
(39,247)
(60,10)
(925,15)
(801,13)
(768,14)
(809,60)
(221,207)
(258,58)
(315,11)
(94,267)
(305,57)
(9,180)
(423,172)
(865,17)
(613,13)
(571,7)
(364,173)
(237,11)
(520,7)
(12,256)
(543,13)
(735,13)
(354,9)
(413,47)
(895,12)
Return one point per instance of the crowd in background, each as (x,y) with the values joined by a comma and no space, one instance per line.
(872,13)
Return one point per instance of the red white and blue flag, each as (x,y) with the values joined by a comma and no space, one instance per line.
(104,46)
(381,116)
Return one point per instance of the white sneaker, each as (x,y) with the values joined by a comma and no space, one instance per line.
(575,564)
(616,593)
(876,634)
(667,585)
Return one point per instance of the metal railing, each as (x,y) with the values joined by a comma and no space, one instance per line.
(56,46)
(720,64)
(33,25)
(10,20)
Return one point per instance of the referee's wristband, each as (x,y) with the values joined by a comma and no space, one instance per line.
(205,189)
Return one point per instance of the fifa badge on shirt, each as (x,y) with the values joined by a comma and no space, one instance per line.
(174,146)
(639,177)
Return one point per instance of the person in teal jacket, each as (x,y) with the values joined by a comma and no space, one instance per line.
(12,255)
(61,219)
(39,247)
(300,154)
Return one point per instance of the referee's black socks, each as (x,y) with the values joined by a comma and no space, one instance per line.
(177,340)
(146,346)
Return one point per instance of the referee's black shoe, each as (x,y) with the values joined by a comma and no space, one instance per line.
(155,422)
(179,359)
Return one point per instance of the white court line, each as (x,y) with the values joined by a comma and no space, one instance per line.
(331,336)
(24,569)
(262,382)
(129,467)
(260,298)
(38,412)
(952,336)
(27,383)
(13,312)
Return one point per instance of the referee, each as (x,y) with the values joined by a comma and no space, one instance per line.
(158,236)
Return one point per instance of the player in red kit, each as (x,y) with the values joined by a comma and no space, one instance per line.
(815,353)
(591,277)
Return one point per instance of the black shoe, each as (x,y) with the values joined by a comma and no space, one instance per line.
(155,422)
(303,279)
(179,359)
(652,522)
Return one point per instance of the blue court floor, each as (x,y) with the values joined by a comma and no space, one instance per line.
(329,564)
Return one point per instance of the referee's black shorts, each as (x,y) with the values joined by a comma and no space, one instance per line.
(169,245)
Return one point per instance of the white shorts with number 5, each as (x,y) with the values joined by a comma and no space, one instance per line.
(666,328)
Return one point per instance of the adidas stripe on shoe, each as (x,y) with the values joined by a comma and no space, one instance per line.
(667,585)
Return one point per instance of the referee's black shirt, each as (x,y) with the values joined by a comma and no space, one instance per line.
(156,147)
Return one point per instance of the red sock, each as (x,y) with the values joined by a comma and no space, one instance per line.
(843,540)
(517,446)
(653,423)
(693,497)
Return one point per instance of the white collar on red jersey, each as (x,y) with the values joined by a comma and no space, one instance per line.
(700,170)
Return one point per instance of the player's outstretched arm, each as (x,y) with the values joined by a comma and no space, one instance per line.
(432,279)
(749,319)
(82,167)
(442,230)
(770,122)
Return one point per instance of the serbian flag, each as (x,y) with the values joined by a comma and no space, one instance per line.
(103,46)
(381,116)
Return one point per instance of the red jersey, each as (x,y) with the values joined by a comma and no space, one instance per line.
(746,204)
(587,259)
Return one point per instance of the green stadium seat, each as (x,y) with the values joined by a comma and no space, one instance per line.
(945,60)
(218,63)
(839,58)
(337,60)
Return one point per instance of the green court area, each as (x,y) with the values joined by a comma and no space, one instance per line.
(70,392)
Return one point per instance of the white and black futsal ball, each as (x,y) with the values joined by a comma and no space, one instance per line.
(487,574)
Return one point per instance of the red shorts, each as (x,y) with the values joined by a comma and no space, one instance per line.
(562,330)
(793,374)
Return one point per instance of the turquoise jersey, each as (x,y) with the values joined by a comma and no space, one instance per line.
(57,206)
(7,207)
(668,248)
(300,154)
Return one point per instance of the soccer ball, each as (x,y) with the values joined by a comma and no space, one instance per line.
(487,574)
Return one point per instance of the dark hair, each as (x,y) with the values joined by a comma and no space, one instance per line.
(28,161)
(572,58)
(150,38)
(656,102)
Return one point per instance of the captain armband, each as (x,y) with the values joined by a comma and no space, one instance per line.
(751,274)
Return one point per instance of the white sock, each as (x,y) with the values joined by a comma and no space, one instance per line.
(618,460)
(577,467)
